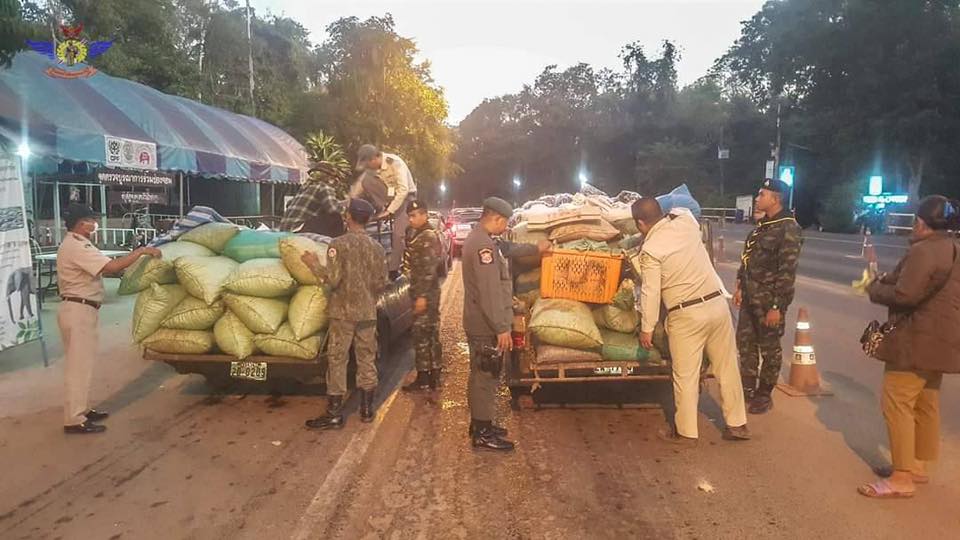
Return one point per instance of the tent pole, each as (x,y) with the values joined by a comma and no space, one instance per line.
(273,200)
(103,205)
(56,211)
(181,192)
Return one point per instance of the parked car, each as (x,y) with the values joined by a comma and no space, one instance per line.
(462,221)
(439,222)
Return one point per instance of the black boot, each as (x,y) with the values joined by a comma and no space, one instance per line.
(749,388)
(434,379)
(366,406)
(333,418)
(486,439)
(478,425)
(762,401)
(421,384)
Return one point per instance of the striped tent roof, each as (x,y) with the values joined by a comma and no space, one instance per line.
(69,119)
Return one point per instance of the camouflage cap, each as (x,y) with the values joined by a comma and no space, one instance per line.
(499,206)
(777,186)
(416,205)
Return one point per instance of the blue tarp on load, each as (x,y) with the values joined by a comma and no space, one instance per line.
(69,118)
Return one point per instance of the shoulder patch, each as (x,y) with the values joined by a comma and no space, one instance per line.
(332,253)
(485,255)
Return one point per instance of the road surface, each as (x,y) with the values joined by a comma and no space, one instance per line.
(179,462)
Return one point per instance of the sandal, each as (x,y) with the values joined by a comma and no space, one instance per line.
(887,472)
(882,489)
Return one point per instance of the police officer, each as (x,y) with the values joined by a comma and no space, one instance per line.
(80,267)
(488,318)
(765,281)
(388,183)
(421,262)
(356,274)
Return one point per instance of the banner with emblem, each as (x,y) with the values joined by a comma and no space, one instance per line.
(19,322)
(130,153)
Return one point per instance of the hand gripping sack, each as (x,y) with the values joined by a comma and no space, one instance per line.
(622,347)
(249,244)
(565,323)
(193,314)
(203,277)
(291,251)
(152,307)
(233,337)
(260,315)
(213,236)
(266,278)
(308,311)
(149,270)
(170,341)
(283,343)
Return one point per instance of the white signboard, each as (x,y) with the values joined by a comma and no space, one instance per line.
(18,314)
(769,171)
(130,153)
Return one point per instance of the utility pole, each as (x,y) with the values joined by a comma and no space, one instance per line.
(776,149)
(253,103)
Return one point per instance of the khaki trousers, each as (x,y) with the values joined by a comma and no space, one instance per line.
(706,327)
(363,336)
(911,407)
(79,332)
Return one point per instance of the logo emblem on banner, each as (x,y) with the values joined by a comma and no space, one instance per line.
(73,51)
(129,153)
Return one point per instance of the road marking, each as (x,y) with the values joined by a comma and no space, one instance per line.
(324,503)
(854,256)
(853,242)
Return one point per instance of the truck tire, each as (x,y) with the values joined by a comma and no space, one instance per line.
(518,393)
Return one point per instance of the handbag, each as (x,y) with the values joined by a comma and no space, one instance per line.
(875,332)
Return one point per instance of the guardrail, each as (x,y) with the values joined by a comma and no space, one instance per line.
(900,222)
(721,215)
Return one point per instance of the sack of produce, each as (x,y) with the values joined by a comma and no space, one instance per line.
(624,299)
(622,347)
(292,249)
(527,281)
(203,277)
(283,343)
(249,244)
(213,236)
(152,307)
(193,314)
(619,320)
(529,299)
(308,311)
(627,227)
(565,323)
(170,341)
(551,354)
(260,315)
(267,278)
(149,270)
(521,234)
(598,230)
(233,337)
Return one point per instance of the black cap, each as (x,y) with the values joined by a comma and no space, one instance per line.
(416,205)
(76,212)
(777,186)
(361,210)
(499,206)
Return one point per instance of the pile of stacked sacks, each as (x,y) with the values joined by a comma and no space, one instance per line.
(567,330)
(220,288)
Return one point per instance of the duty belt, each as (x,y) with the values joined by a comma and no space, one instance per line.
(84,301)
(695,301)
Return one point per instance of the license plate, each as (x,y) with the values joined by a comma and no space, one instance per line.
(254,371)
(612,370)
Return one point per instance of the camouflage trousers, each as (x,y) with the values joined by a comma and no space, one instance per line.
(756,340)
(426,341)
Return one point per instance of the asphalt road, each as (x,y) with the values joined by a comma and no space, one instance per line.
(829,257)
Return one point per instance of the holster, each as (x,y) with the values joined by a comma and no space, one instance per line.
(491,360)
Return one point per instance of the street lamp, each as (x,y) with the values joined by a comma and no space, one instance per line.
(24,150)
(583,179)
(516,182)
(443,187)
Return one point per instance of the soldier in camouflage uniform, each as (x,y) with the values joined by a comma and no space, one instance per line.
(356,274)
(421,262)
(764,291)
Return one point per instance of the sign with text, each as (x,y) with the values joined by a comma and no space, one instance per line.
(19,321)
(130,154)
(115,177)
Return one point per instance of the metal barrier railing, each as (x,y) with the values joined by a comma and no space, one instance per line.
(721,215)
(900,222)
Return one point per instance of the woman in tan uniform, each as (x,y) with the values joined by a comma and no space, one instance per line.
(80,267)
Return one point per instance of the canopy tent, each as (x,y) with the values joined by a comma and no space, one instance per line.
(79,119)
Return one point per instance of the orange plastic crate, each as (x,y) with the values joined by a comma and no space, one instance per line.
(580,275)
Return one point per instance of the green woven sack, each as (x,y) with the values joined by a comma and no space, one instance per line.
(565,323)
(193,314)
(249,244)
(213,236)
(170,341)
(203,277)
(291,252)
(260,315)
(622,347)
(308,311)
(233,337)
(283,343)
(152,308)
(149,270)
(266,278)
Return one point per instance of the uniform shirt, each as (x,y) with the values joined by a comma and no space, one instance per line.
(79,264)
(421,262)
(768,265)
(396,176)
(313,200)
(487,287)
(674,266)
(356,273)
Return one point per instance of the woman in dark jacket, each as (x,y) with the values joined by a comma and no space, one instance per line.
(923,297)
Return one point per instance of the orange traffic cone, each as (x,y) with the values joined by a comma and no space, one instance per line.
(804,377)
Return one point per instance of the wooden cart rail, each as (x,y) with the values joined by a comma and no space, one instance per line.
(611,371)
(223,358)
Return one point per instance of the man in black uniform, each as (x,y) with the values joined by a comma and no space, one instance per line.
(488,318)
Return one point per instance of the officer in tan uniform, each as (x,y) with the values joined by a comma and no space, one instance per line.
(388,184)
(80,267)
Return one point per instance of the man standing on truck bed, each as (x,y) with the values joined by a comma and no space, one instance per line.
(356,275)
(765,281)
(675,268)
(421,262)
(488,319)
(315,208)
(388,184)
